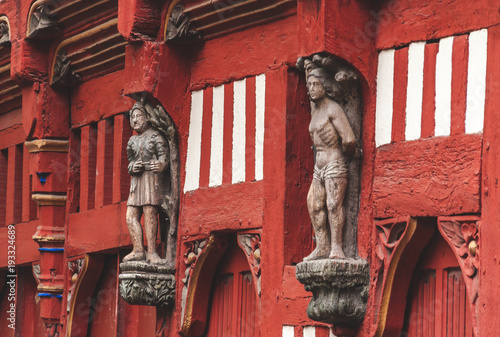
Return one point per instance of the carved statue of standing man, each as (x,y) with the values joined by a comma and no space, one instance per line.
(334,141)
(148,156)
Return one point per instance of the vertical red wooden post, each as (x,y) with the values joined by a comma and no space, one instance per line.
(3,186)
(14,185)
(104,163)
(87,167)
(121,180)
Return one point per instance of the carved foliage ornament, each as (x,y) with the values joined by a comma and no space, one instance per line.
(250,243)
(463,235)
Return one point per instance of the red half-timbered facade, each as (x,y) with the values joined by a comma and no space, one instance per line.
(225,72)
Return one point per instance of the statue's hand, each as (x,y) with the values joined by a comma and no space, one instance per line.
(138,166)
(155,166)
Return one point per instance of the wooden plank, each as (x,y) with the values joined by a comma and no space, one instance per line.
(228,134)
(399,101)
(459,83)
(88,167)
(3,185)
(121,178)
(14,185)
(206,136)
(429,93)
(104,163)
(428,177)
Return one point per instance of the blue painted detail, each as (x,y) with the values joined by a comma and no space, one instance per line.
(51,249)
(43,176)
(49,295)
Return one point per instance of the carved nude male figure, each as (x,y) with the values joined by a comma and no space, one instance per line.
(334,140)
(147,153)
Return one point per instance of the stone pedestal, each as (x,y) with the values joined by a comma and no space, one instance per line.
(145,284)
(340,290)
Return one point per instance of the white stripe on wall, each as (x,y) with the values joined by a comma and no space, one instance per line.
(288,331)
(443,87)
(385,90)
(239,134)
(192,181)
(476,81)
(415,90)
(217,140)
(260,105)
(309,331)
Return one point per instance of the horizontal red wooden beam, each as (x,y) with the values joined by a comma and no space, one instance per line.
(26,248)
(230,207)
(430,177)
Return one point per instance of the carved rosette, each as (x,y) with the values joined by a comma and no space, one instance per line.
(339,288)
(145,284)
(250,243)
(463,234)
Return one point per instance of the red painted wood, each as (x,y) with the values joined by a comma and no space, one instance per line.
(74,166)
(4,155)
(121,178)
(104,163)
(28,320)
(238,206)
(104,312)
(250,129)
(11,136)
(24,233)
(87,167)
(234,309)
(437,176)
(206,136)
(14,185)
(400,26)
(460,60)
(487,323)
(429,90)
(29,209)
(399,101)
(228,134)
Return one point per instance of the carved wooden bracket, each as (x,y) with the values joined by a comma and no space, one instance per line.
(63,74)
(4,32)
(201,259)
(179,27)
(42,24)
(399,244)
(82,276)
(462,234)
(250,243)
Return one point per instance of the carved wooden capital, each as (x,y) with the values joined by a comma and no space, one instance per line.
(47,145)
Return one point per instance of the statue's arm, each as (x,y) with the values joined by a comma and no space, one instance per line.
(130,157)
(162,153)
(341,124)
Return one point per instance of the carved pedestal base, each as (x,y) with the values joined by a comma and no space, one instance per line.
(145,284)
(340,290)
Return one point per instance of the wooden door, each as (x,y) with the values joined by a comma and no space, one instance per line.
(234,310)
(437,302)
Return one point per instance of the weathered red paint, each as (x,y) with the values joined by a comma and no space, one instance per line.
(460,59)
(399,102)
(437,176)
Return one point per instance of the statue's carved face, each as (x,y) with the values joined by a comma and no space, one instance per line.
(315,88)
(138,121)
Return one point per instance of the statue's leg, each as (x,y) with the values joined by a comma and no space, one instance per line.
(151,229)
(133,218)
(317,211)
(335,193)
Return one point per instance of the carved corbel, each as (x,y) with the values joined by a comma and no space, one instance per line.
(400,242)
(462,234)
(42,24)
(201,259)
(82,276)
(63,75)
(4,32)
(250,243)
(179,27)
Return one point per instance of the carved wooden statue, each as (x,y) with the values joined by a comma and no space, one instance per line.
(149,156)
(334,142)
